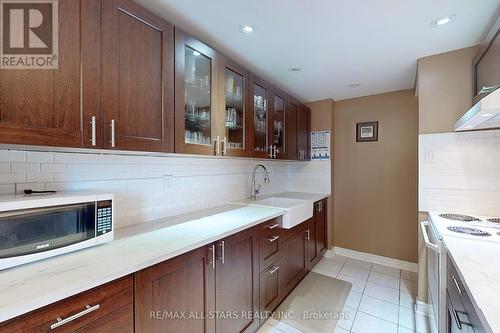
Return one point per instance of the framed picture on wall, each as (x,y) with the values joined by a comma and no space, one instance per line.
(367,132)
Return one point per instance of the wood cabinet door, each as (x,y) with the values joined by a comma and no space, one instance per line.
(237,285)
(278,123)
(233,119)
(176,295)
(120,321)
(270,288)
(320,216)
(137,78)
(259,117)
(292,111)
(304,133)
(294,257)
(312,252)
(196,102)
(44,106)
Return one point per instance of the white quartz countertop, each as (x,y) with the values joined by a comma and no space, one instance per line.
(311,197)
(477,263)
(31,286)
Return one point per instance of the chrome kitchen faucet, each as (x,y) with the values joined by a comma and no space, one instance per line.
(256,190)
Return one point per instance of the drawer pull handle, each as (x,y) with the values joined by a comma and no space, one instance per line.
(60,322)
(272,239)
(272,226)
(274,270)
(456,285)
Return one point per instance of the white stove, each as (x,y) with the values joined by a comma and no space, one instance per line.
(439,227)
(483,228)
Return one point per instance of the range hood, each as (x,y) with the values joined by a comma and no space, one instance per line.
(485,114)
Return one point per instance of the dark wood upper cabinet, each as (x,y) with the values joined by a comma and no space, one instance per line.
(292,110)
(259,117)
(304,133)
(486,69)
(196,88)
(278,124)
(233,118)
(44,106)
(185,283)
(137,78)
(237,282)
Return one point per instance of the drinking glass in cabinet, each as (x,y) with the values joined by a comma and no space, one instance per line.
(260,118)
(234,114)
(278,121)
(197,97)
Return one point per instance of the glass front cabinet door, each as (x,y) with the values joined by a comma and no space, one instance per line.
(233,116)
(260,116)
(196,85)
(277,123)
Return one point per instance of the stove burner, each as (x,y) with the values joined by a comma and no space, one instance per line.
(459,217)
(469,231)
(494,220)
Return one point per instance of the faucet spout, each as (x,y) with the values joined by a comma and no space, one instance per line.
(256,190)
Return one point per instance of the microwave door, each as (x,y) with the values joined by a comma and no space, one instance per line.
(38,230)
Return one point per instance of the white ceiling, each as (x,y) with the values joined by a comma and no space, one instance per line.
(336,43)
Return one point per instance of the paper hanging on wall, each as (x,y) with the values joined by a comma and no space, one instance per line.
(320,145)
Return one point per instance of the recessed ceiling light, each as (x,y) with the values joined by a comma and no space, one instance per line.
(440,21)
(247,29)
(196,53)
(469,126)
(354,85)
(294,69)
(486,114)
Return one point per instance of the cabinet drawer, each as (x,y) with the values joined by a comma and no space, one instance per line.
(270,243)
(88,309)
(270,287)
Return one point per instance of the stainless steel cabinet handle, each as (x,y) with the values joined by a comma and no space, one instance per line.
(275,154)
(273,270)
(113,132)
(456,285)
(60,322)
(217,146)
(270,151)
(272,226)
(308,237)
(223,252)
(93,131)
(273,239)
(212,249)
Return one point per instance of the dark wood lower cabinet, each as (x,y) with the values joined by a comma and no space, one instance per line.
(237,284)
(225,287)
(112,306)
(168,294)
(295,257)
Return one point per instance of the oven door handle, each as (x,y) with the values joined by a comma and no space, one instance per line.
(428,244)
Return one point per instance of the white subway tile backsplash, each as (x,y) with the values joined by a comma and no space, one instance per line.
(41,157)
(25,167)
(152,187)
(460,172)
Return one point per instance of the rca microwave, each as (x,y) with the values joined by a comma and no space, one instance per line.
(35,227)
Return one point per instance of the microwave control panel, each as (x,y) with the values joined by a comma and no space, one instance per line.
(104,218)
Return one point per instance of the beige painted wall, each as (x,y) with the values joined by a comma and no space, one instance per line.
(322,119)
(444,89)
(375,183)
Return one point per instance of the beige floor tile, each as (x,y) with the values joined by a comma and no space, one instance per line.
(353,299)
(365,323)
(357,284)
(407,275)
(386,270)
(355,271)
(348,315)
(414,321)
(381,292)
(407,300)
(363,264)
(410,287)
(378,308)
(384,280)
